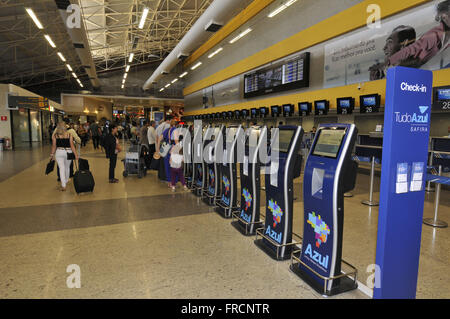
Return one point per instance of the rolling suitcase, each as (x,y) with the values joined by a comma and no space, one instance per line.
(83,181)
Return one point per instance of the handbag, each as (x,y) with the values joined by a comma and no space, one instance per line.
(70,156)
(164,149)
(50,167)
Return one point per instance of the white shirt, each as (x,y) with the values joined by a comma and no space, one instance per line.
(161,128)
(151,135)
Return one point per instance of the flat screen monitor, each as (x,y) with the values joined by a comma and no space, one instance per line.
(217,115)
(254,113)
(321,107)
(224,115)
(288,110)
(329,142)
(230,114)
(275,110)
(284,140)
(345,105)
(369,103)
(305,108)
(441,98)
(237,114)
(263,111)
(244,113)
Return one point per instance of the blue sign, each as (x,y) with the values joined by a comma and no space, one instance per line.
(406,123)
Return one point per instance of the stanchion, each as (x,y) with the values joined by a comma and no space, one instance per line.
(370,202)
(435,222)
(430,189)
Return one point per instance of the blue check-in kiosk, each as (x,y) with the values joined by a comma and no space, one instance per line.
(188,148)
(228,203)
(213,151)
(329,173)
(199,165)
(285,165)
(248,217)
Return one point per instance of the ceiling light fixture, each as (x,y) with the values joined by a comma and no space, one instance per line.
(49,40)
(241,35)
(167,85)
(196,66)
(125,75)
(174,81)
(143,18)
(69,67)
(161,90)
(183,75)
(123,85)
(61,57)
(281,8)
(74,75)
(215,52)
(35,19)
(127,68)
(131,57)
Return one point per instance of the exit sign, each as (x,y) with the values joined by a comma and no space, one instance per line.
(3,118)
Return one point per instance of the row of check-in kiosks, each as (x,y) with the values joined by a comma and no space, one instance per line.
(211,171)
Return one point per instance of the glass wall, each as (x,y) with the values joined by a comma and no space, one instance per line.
(21,133)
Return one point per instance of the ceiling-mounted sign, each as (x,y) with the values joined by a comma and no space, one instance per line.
(30,102)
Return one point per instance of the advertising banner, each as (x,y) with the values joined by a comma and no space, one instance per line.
(416,39)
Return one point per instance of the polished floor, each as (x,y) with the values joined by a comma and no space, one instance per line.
(137,239)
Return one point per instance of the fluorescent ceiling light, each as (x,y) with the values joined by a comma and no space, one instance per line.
(123,81)
(61,57)
(35,19)
(131,57)
(196,66)
(174,81)
(123,86)
(161,90)
(241,35)
(74,75)
(81,85)
(49,40)
(143,18)
(215,52)
(127,69)
(281,8)
(183,75)
(69,67)
(167,85)
(125,75)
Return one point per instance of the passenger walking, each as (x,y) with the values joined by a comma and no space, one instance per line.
(63,151)
(151,138)
(95,134)
(112,148)
(176,165)
(143,134)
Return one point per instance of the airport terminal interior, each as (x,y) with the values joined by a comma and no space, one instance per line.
(212,149)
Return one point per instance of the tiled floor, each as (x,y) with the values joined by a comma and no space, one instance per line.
(137,239)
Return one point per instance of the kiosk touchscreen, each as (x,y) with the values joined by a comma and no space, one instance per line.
(250,171)
(329,173)
(321,107)
(276,235)
(188,166)
(263,111)
(254,113)
(199,165)
(213,151)
(275,110)
(288,110)
(237,114)
(244,114)
(441,98)
(227,203)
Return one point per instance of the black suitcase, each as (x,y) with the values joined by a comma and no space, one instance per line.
(83,181)
(83,164)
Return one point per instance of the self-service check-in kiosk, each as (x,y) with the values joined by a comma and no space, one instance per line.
(214,150)
(248,217)
(285,165)
(329,172)
(199,166)
(188,166)
(227,203)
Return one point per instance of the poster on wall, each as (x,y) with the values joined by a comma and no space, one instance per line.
(416,39)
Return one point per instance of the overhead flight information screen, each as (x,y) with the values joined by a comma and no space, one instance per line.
(329,143)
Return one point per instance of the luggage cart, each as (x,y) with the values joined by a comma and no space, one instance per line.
(134,163)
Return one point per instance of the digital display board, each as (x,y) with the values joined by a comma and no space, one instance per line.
(292,73)
(263,111)
(254,113)
(321,107)
(345,105)
(441,98)
(305,108)
(329,143)
(275,110)
(369,103)
(288,109)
